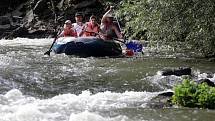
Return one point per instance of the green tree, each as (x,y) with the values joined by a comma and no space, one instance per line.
(191,22)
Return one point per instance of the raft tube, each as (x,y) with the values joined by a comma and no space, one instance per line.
(87,47)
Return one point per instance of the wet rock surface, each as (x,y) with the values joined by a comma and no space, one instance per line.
(177,72)
(162,100)
(207,81)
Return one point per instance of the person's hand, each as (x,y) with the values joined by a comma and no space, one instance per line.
(122,33)
(111,7)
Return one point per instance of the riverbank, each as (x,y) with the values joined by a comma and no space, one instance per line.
(40,18)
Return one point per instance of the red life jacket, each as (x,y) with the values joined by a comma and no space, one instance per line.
(69,32)
(94,28)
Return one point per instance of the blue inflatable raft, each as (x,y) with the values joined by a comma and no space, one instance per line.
(86,47)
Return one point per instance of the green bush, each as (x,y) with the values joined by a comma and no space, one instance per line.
(191,94)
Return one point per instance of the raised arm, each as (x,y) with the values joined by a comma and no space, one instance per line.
(106,14)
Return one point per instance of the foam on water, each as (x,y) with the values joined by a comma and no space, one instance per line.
(199,76)
(165,82)
(26,41)
(170,81)
(76,66)
(14,106)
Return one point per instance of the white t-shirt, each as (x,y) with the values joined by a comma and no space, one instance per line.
(78,27)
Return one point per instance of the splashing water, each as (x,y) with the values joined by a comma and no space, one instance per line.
(35,87)
(84,107)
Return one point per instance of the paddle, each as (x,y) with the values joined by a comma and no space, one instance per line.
(117,39)
(50,49)
(120,40)
(120,29)
(55,21)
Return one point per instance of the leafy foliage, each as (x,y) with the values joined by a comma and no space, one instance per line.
(191,94)
(191,22)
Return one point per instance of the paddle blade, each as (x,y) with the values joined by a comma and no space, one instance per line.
(47,53)
(50,49)
(134,45)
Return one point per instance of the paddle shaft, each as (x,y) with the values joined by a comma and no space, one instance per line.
(120,40)
(117,39)
(55,21)
(120,29)
(118,24)
(50,49)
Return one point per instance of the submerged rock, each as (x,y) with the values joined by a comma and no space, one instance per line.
(177,72)
(163,100)
(166,94)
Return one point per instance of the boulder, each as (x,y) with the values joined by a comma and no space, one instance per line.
(162,100)
(207,81)
(166,94)
(42,9)
(7,6)
(18,32)
(177,72)
(37,16)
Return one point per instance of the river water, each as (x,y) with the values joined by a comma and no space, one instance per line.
(35,87)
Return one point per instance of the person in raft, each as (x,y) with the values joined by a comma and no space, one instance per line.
(79,25)
(68,30)
(107,28)
(91,28)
